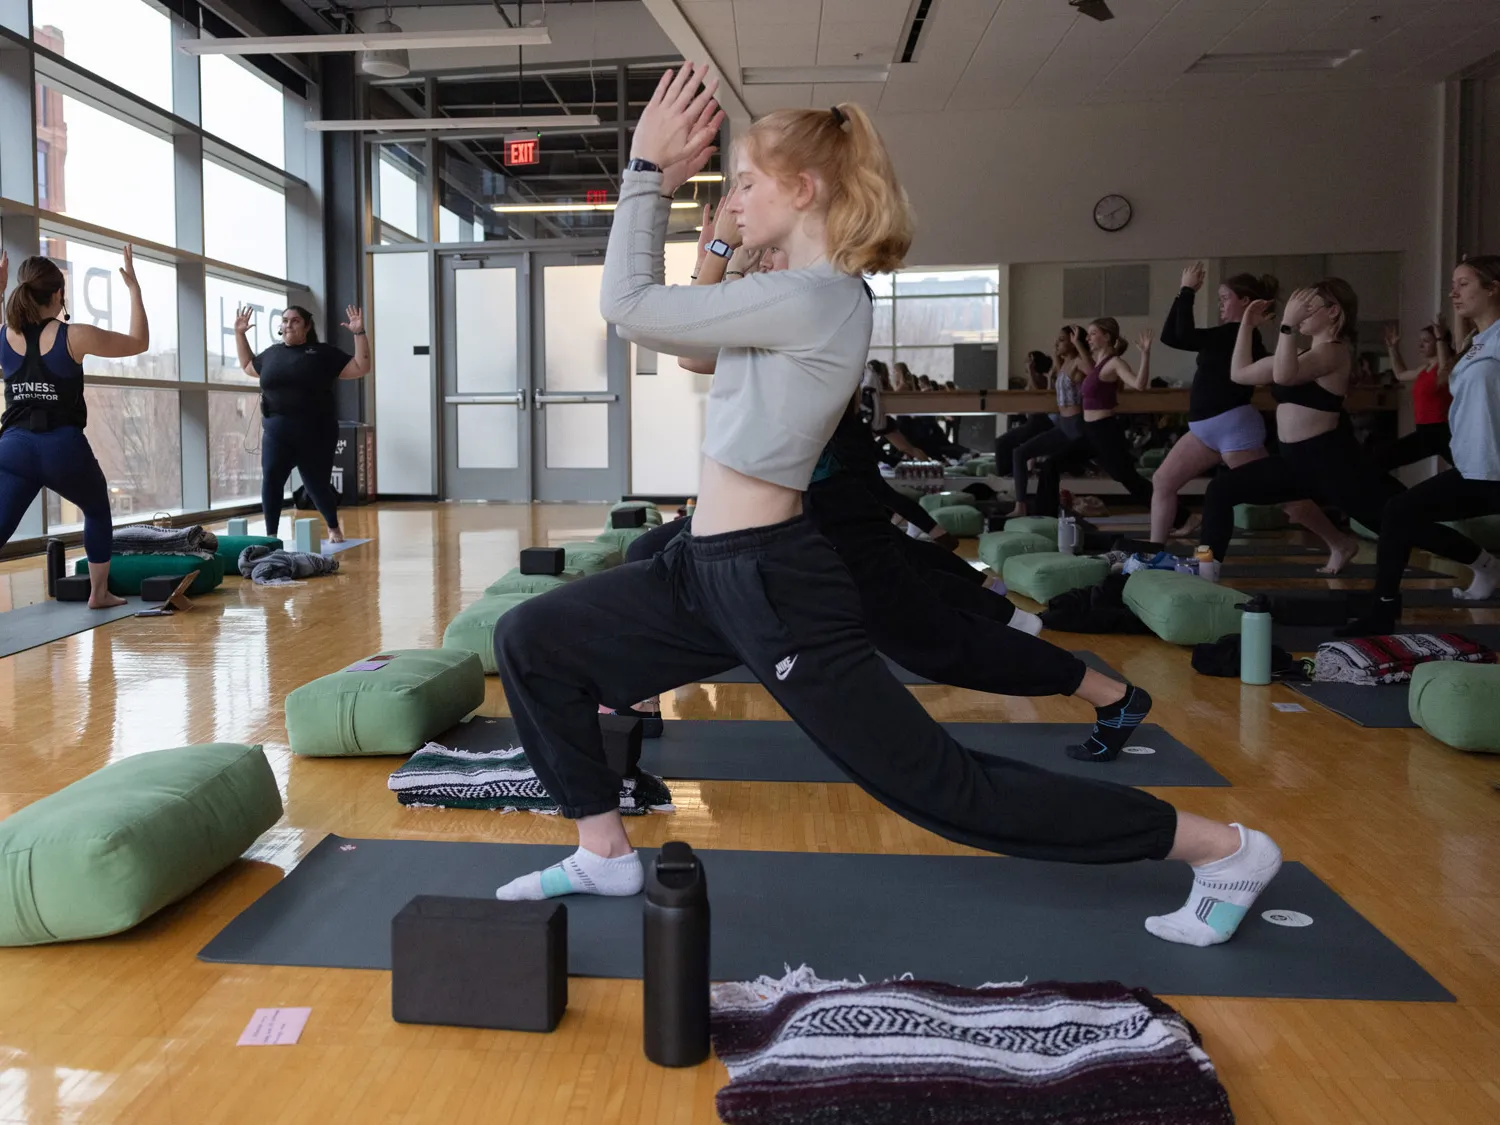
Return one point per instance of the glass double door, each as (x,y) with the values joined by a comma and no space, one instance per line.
(533,380)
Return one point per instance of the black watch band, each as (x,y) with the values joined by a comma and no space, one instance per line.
(638,165)
(1288,330)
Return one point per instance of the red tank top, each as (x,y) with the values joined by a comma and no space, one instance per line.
(1097,393)
(1429,401)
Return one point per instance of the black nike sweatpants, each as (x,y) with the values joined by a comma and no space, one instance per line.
(778,600)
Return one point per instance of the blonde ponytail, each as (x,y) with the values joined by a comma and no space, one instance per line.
(869,220)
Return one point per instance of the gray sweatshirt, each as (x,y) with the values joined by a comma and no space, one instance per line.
(791,345)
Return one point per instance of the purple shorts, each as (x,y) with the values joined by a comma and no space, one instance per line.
(1234,431)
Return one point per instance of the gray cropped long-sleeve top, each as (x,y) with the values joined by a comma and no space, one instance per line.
(791,345)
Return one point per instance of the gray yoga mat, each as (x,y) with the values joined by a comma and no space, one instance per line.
(49,621)
(1306,638)
(1233,568)
(1383,705)
(1410,598)
(1255,549)
(964,919)
(335,548)
(742,675)
(755,750)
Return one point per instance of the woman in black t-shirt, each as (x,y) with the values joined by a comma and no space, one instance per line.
(300,424)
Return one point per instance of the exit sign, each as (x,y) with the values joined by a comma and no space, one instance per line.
(597,195)
(523,151)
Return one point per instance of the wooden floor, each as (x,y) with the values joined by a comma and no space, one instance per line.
(136,1029)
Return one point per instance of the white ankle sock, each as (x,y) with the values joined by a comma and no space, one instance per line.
(1486,578)
(1026,622)
(582,873)
(1223,892)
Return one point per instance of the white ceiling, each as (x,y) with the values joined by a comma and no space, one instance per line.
(999,54)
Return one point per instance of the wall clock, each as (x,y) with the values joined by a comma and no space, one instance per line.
(1112,213)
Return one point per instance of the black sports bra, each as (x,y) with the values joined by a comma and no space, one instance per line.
(1311,395)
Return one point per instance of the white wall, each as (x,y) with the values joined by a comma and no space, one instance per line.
(1306,173)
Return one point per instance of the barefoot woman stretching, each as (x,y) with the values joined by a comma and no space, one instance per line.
(42,444)
(753,583)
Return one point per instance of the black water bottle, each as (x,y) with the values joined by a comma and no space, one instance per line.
(676,946)
(57,558)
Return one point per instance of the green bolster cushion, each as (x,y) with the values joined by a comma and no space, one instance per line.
(1183,608)
(473,630)
(1152,458)
(230,547)
(620,538)
(1457,703)
(590,557)
(1045,526)
(1484,530)
(995,547)
(393,709)
(954,471)
(514,582)
(960,520)
(653,513)
(127,571)
(107,852)
(981,467)
(932,501)
(1260,517)
(1043,576)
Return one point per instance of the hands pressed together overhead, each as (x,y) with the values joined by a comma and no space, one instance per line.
(678,126)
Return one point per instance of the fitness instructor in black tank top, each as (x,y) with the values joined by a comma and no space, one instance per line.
(300,425)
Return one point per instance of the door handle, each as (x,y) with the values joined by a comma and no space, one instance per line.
(543,398)
(508,398)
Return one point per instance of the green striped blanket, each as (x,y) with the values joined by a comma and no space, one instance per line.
(504,781)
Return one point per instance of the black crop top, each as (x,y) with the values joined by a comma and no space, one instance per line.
(1311,395)
(1213,391)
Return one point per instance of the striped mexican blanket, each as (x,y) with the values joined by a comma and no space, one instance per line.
(1390,660)
(504,781)
(844,1053)
(143,539)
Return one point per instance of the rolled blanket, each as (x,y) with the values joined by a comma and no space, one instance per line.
(143,539)
(502,780)
(267,566)
(1390,660)
(840,1053)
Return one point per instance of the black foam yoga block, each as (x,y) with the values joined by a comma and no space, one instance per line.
(73,588)
(628,517)
(622,743)
(477,962)
(159,588)
(543,560)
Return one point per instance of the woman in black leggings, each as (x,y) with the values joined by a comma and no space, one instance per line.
(1067,423)
(300,423)
(1038,371)
(1318,457)
(1472,487)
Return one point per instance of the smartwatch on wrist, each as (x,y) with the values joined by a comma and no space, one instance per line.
(720,249)
(638,165)
(1288,330)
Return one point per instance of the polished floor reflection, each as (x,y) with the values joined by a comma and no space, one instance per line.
(136,1029)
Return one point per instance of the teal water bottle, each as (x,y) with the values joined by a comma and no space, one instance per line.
(1255,641)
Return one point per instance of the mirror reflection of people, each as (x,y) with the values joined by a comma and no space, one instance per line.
(299,417)
(42,444)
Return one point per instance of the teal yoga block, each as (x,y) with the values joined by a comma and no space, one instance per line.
(1183,608)
(393,709)
(127,571)
(306,536)
(1457,703)
(107,852)
(995,547)
(1044,575)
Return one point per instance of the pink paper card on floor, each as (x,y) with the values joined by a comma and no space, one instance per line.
(274,1027)
(374,664)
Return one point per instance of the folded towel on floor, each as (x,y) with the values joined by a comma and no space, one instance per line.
(144,539)
(266,566)
(1390,660)
(502,780)
(840,1053)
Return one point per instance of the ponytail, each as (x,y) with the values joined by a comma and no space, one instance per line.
(1111,328)
(869,217)
(37,282)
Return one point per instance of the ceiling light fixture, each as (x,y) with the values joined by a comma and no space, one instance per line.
(1255,62)
(1094,9)
(368,41)
(785,75)
(444,124)
(565,208)
(385,62)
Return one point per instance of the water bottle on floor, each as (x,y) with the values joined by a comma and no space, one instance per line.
(1208,566)
(1067,534)
(1255,641)
(676,966)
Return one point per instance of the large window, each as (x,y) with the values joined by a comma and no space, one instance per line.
(233,448)
(244,221)
(243,108)
(136,434)
(97,295)
(921,313)
(399,170)
(223,298)
(108,172)
(125,41)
